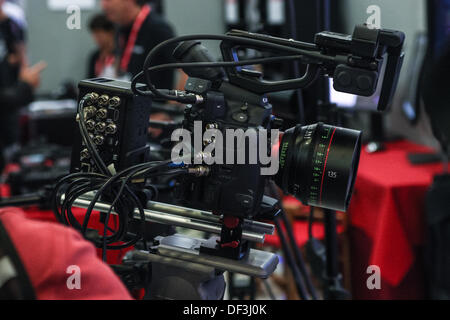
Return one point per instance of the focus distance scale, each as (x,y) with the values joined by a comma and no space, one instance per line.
(318,164)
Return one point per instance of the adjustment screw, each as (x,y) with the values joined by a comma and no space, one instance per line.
(212,126)
(208,141)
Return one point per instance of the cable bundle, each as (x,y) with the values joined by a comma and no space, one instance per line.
(118,189)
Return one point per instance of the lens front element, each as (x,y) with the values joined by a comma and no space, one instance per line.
(318,165)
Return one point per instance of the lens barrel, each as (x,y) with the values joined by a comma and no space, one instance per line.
(318,164)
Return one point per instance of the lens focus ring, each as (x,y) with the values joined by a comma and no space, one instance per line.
(318,164)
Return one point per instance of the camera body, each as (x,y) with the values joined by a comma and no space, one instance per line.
(231,189)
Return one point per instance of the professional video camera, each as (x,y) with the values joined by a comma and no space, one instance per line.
(317,163)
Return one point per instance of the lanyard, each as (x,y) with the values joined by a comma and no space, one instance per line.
(145,11)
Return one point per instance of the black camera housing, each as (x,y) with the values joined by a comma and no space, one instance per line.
(229,189)
(127,145)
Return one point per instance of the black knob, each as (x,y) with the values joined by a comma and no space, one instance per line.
(364,82)
(344,79)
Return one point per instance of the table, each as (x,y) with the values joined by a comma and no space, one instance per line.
(387,222)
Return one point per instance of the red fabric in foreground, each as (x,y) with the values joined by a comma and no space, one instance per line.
(112,256)
(47,249)
(34,212)
(388,206)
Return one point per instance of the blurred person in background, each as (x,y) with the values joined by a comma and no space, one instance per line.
(14,10)
(141,29)
(102,61)
(17,82)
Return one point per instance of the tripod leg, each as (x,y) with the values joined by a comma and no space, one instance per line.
(291,262)
(269,289)
(333,287)
(298,256)
(295,249)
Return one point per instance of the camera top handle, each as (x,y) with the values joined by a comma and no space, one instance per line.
(353,61)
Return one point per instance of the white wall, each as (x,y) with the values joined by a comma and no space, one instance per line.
(66,51)
(197,17)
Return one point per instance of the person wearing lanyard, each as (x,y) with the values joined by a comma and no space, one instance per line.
(18,82)
(141,29)
(101,63)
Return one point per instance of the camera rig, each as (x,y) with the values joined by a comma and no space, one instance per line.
(317,163)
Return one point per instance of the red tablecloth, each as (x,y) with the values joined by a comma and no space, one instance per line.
(388,207)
